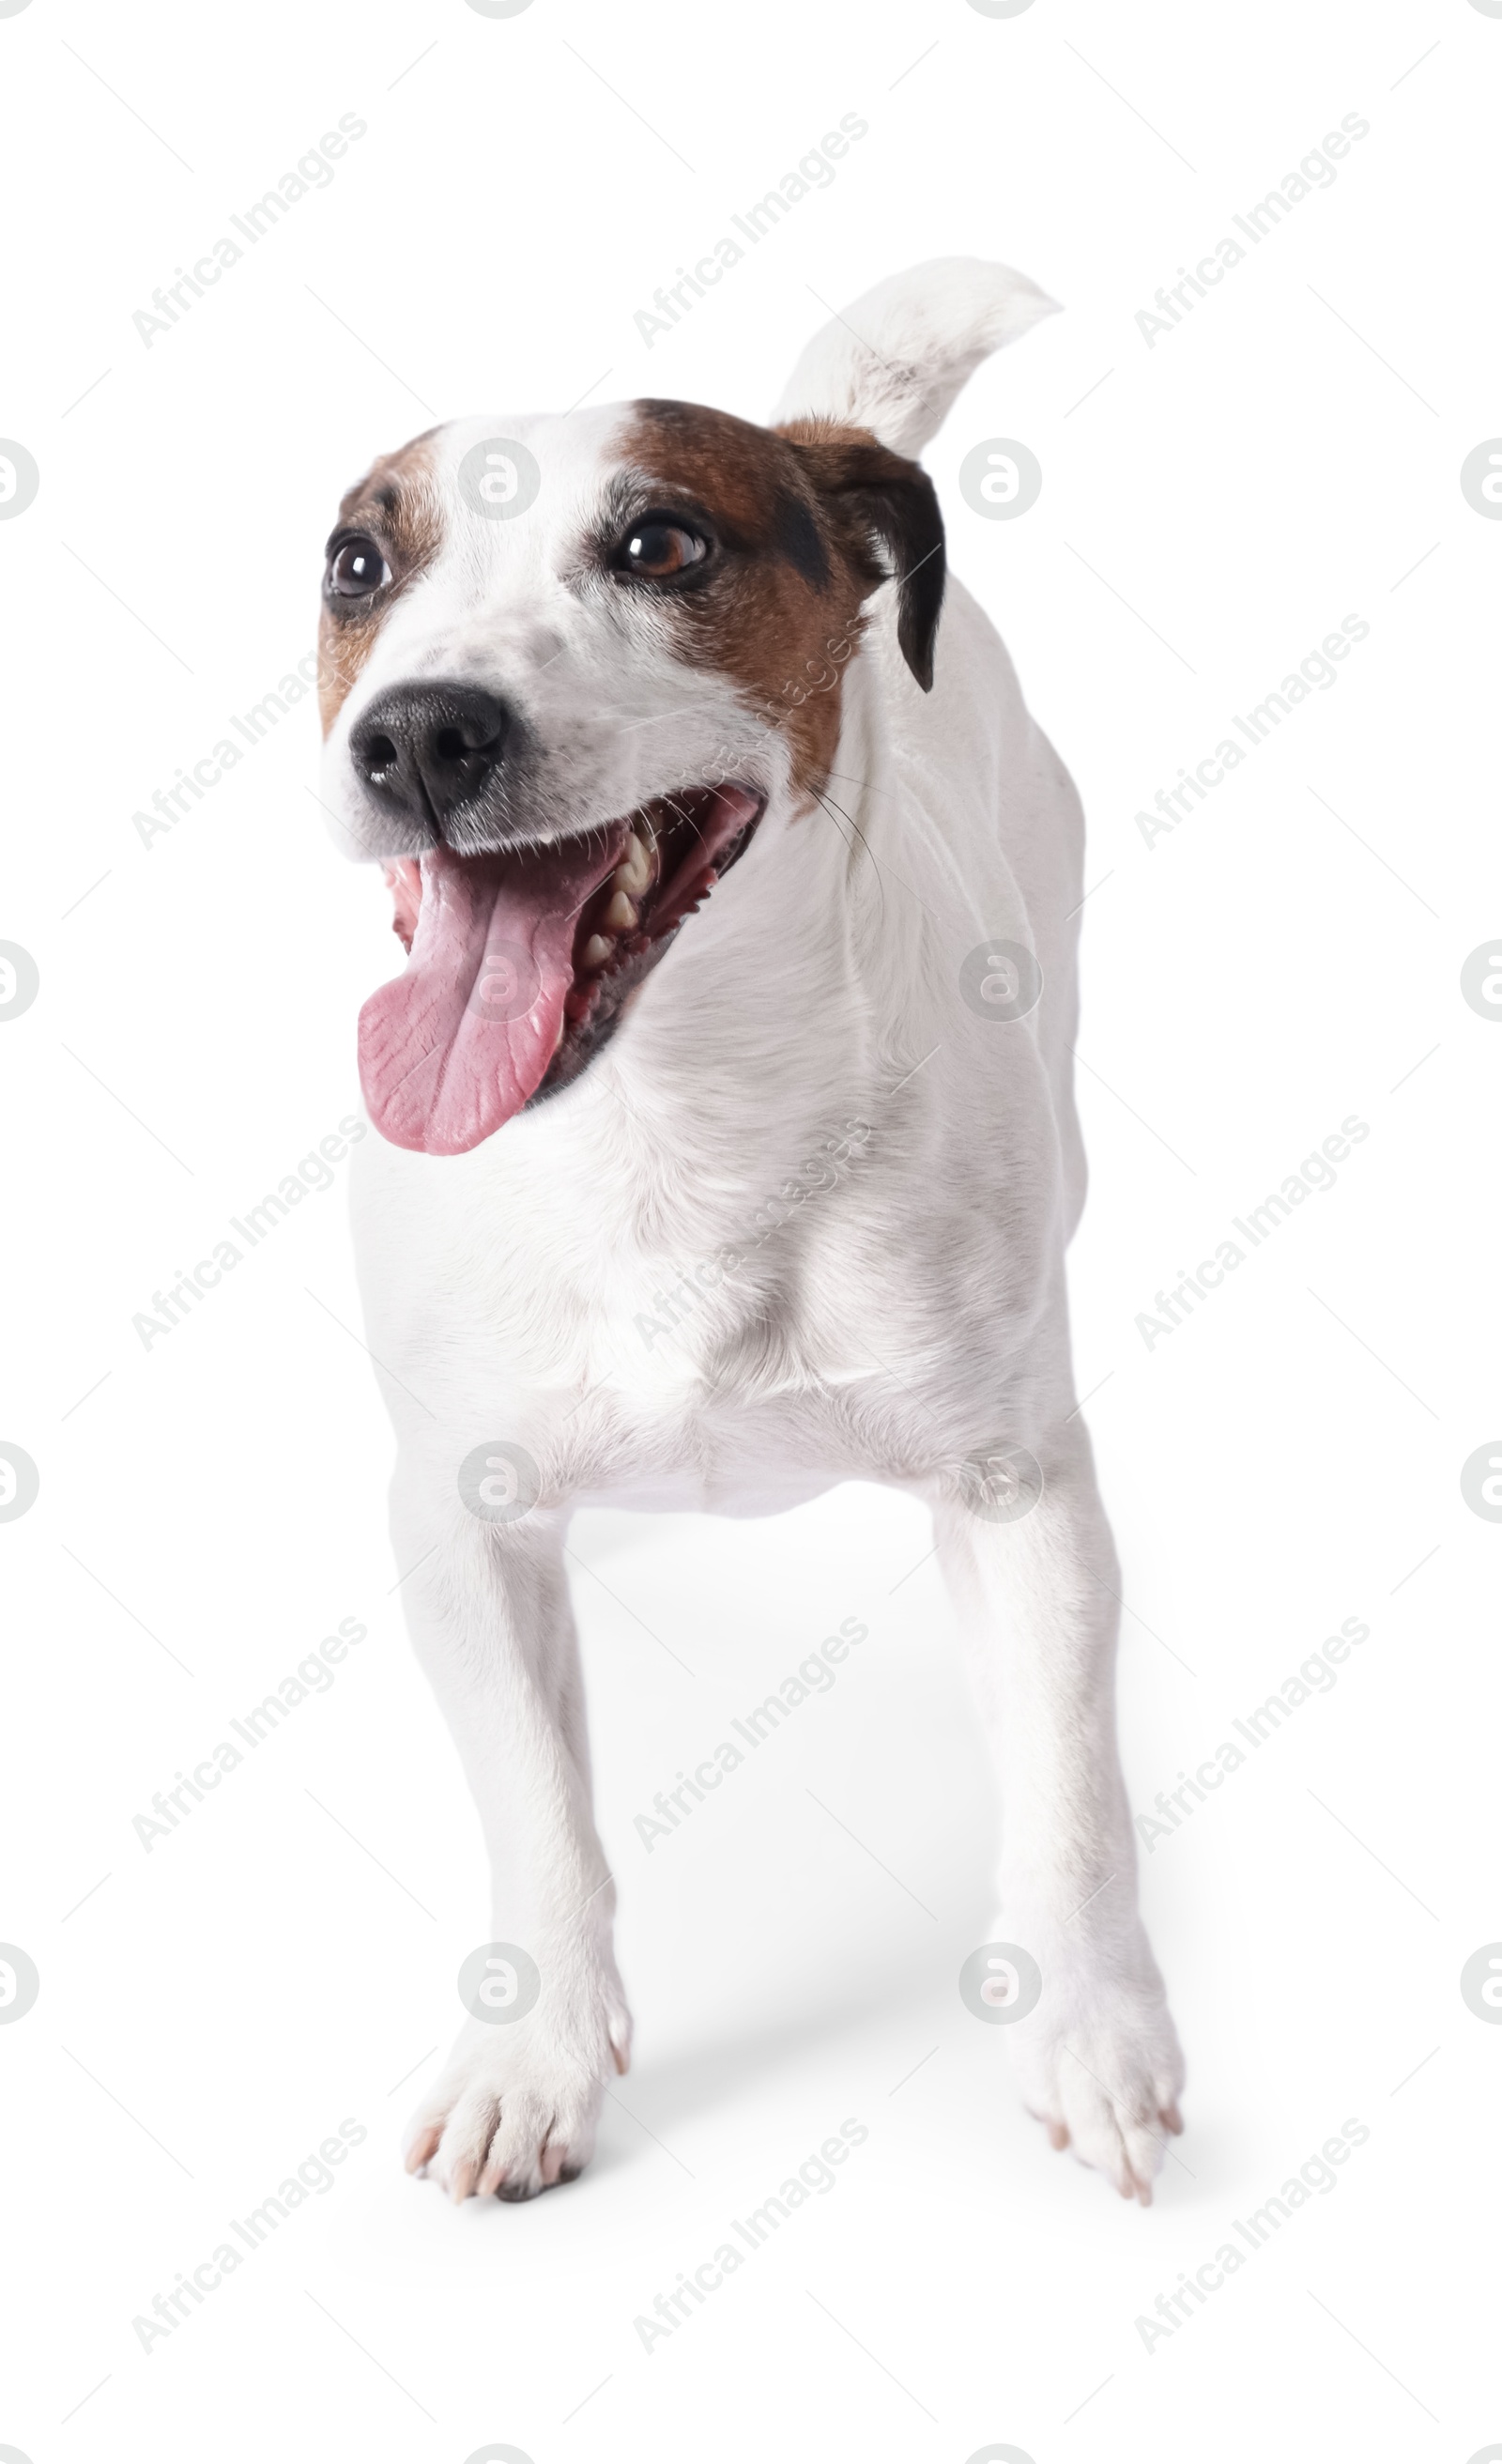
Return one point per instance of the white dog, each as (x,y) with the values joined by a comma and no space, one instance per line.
(728,1145)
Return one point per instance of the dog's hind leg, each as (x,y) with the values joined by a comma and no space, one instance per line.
(515,2108)
(1036,1584)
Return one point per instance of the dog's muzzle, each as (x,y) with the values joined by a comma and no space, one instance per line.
(423,751)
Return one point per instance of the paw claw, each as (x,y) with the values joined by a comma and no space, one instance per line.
(421,2149)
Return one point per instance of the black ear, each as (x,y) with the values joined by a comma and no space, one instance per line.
(870,495)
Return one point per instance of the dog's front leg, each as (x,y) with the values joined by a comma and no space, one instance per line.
(1036,1583)
(515,2108)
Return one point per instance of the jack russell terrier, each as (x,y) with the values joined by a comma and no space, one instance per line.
(713,851)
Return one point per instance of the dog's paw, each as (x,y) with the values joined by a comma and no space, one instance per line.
(515,2109)
(1100,2065)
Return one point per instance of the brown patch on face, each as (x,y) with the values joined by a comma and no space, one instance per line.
(398,505)
(794,513)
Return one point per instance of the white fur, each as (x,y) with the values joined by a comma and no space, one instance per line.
(896,358)
(905,1317)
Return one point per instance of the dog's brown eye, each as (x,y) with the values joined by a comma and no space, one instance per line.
(357,569)
(658,549)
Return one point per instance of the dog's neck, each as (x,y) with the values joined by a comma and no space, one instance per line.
(803,997)
(778,1002)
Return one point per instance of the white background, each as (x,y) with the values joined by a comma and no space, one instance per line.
(1212,508)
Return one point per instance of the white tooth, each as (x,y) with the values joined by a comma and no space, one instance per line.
(621,917)
(562,1031)
(635,870)
(597,952)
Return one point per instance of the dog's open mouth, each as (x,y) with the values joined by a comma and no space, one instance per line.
(521,961)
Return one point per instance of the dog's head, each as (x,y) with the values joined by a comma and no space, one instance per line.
(566,667)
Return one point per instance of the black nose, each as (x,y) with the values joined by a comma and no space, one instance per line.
(426,749)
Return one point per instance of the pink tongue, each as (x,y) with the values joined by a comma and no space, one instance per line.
(452,1049)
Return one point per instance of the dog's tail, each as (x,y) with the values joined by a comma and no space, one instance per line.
(895,360)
